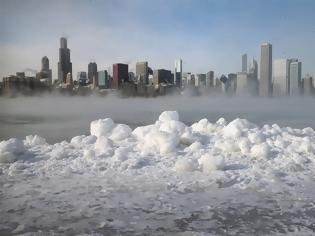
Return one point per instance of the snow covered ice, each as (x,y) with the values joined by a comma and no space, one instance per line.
(165,178)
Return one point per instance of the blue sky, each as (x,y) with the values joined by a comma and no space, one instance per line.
(206,34)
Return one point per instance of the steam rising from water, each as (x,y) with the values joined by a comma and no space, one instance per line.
(60,118)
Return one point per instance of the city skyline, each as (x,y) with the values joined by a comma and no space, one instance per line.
(203,40)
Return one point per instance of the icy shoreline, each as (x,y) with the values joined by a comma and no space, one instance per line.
(164,177)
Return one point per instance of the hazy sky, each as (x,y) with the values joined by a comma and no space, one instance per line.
(206,34)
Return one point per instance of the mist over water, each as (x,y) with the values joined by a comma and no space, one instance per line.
(61,118)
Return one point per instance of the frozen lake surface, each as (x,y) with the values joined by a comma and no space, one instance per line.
(198,177)
(61,118)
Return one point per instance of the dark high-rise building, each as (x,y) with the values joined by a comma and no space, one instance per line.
(45,64)
(82,78)
(92,74)
(162,76)
(120,74)
(45,74)
(64,64)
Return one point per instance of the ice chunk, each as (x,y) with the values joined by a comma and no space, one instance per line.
(11,150)
(168,115)
(83,141)
(194,147)
(102,127)
(203,126)
(151,139)
(210,163)
(104,145)
(236,128)
(34,140)
(89,154)
(120,132)
(261,151)
(183,165)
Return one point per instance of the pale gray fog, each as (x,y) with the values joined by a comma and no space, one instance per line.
(61,118)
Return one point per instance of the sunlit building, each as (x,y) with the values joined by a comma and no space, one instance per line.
(142,72)
(265,80)
(178,73)
(295,78)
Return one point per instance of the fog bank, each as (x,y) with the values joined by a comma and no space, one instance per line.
(59,118)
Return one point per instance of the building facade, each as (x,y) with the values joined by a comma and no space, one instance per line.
(120,75)
(142,72)
(178,73)
(281,77)
(265,80)
(295,78)
(210,79)
(64,64)
(45,74)
(92,74)
(103,80)
(308,86)
(162,76)
(244,63)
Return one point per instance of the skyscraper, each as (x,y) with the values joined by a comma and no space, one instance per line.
(295,78)
(45,73)
(200,80)
(120,75)
(265,80)
(281,77)
(92,74)
(210,79)
(162,76)
(82,78)
(45,64)
(253,69)
(64,64)
(242,87)
(103,79)
(178,73)
(308,87)
(244,63)
(142,72)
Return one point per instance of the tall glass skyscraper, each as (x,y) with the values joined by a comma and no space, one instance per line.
(295,78)
(64,64)
(281,77)
(178,73)
(265,80)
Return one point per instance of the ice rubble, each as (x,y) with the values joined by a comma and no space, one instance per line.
(203,146)
(153,164)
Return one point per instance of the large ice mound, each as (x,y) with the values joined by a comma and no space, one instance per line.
(203,146)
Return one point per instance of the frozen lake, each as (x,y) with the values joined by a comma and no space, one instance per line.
(178,176)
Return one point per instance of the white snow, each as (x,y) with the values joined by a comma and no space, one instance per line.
(115,170)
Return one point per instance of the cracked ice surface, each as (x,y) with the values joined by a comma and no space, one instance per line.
(165,178)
